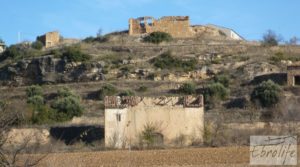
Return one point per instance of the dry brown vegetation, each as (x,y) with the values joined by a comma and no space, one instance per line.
(205,157)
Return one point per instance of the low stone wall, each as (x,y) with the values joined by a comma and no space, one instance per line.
(27,136)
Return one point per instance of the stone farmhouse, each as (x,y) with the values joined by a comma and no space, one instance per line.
(178,27)
(293,74)
(50,39)
(175,119)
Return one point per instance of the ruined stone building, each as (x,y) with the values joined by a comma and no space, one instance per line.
(50,39)
(293,74)
(178,27)
(175,119)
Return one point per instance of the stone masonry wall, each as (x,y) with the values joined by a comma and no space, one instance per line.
(50,39)
(177,26)
(175,118)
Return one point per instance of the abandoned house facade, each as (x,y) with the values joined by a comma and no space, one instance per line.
(49,39)
(177,27)
(293,74)
(172,119)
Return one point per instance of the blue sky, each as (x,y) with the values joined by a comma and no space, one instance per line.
(82,18)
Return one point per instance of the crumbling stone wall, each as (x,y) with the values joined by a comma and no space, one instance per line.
(292,71)
(176,118)
(177,26)
(49,39)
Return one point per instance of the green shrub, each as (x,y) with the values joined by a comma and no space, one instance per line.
(187,88)
(36,100)
(74,53)
(158,37)
(68,107)
(149,133)
(57,53)
(267,93)
(217,90)
(12,52)
(166,61)
(107,90)
(44,115)
(223,79)
(34,90)
(65,92)
(127,93)
(65,106)
(37,45)
(277,57)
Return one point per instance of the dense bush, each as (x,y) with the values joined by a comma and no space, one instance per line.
(20,51)
(158,37)
(167,61)
(37,45)
(74,53)
(65,92)
(45,115)
(36,100)
(65,106)
(107,90)
(34,90)
(12,52)
(267,94)
(217,91)
(223,79)
(68,107)
(187,88)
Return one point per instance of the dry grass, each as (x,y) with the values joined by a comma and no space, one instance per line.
(205,157)
(226,156)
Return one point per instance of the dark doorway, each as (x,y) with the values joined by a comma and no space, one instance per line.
(297,80)
(73,134)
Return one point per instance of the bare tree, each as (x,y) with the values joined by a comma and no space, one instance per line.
(293,41)
(9,157)
(270,38)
